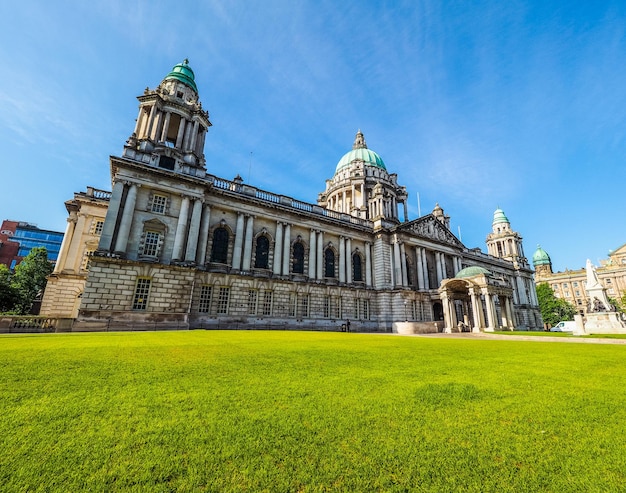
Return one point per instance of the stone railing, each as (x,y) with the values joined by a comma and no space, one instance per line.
(31,323)
(265,196)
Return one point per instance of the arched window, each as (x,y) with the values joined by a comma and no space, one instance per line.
(298,258)
(219,252)
(262,252)
(329,263)
(357,271)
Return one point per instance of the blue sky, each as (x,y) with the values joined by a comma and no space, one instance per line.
(475,105)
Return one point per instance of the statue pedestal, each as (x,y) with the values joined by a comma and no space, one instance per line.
(604,323)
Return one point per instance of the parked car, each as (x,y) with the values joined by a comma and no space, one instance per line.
(567,326)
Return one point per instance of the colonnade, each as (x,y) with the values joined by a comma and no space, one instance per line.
(344,201)
(400,276)
(475,306)
(192,231)
(155,125)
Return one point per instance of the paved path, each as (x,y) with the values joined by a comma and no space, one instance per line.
(500,337)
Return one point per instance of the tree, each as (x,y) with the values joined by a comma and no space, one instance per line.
(619,303)
(553,309)
(8,296)
(30,278)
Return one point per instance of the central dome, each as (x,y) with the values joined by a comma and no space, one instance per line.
(360,152)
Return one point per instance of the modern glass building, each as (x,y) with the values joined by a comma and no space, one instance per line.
(29,236)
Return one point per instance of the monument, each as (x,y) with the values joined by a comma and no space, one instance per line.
(602,318)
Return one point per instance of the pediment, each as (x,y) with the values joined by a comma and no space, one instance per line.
(431,228)
(155,224)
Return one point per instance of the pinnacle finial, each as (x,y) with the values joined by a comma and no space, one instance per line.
(359,141)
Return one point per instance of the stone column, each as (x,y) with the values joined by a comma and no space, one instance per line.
(238,242)
(286,249)
(420,268)
(181,230)
(187,137)
(490,312)
(342,259)
(74,254)
(438,265)
(444,269)
(194,231)
(320,255)
(204,235)
(194,135)
(312,254)
(368,264)
(404,265)
(406,211)
(397,269)
(127,219)
(247,250)
(139,122)
(65,244)
(278,249)
(181,132)
(158,128)
(476,308)
(447,323)
(200,142)
(166,126)
(111,218)
(349,260)
(425,266)
(151,121)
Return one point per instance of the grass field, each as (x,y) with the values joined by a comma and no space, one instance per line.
(302,411)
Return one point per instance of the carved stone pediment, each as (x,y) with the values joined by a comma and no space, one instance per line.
(431,228)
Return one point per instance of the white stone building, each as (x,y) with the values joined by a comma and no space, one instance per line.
(183,248)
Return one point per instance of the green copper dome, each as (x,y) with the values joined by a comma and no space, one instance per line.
(471,271)
(360,152)
(499,217)
(184,74)
(541,257)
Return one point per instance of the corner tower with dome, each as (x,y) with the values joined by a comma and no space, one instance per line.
(183,246)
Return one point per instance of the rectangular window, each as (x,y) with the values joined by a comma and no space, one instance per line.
(304,306)
(326,306)
(151,244)
(159,203)
(97,228)
(608,281)
(577,292)
(252,301)
(355,313)
(575,284)
(337,307)
(84,265)
(267,302)
(293,302)
(564,284)
(222,300)
(365,309)
(205,298)
(142,290)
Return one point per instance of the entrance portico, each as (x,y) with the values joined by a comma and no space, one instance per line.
(476,300)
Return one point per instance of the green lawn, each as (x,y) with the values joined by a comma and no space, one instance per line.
(301,411)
